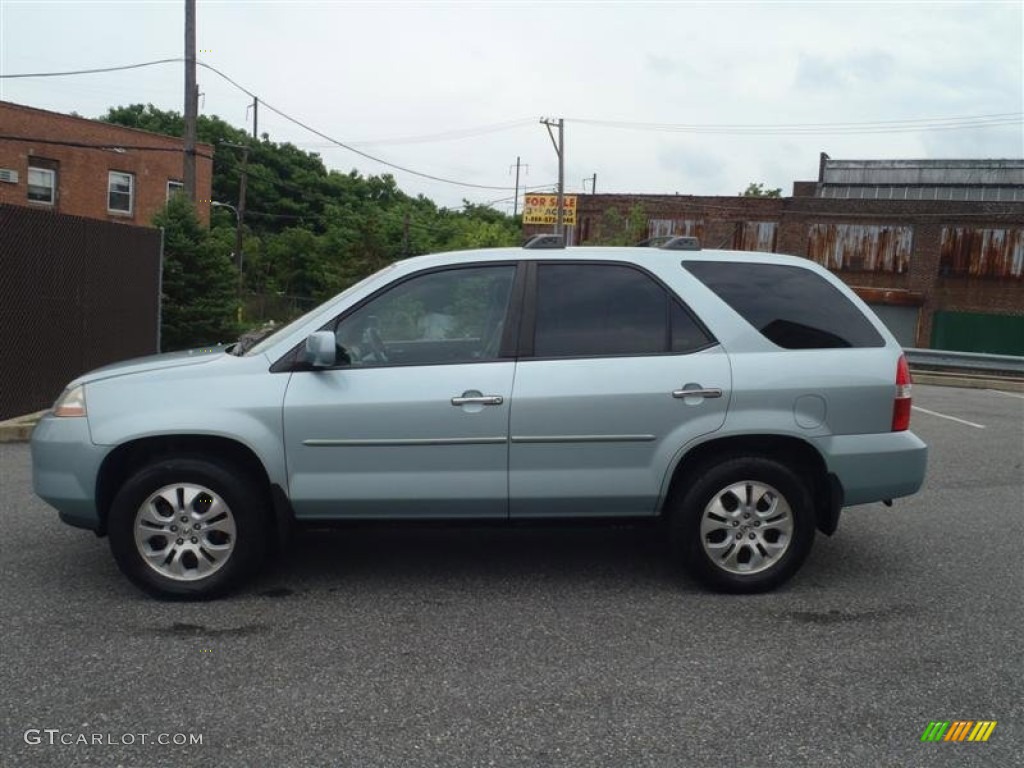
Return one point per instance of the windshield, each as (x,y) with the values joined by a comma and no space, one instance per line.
(261,344)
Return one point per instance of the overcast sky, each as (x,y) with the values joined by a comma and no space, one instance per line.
(378,74)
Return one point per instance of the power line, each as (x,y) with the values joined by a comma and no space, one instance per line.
(272,108)
(454,135)
(342,144)
(908,125)
(93,71)
(876,126)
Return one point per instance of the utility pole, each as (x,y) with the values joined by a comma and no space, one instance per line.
(405,234)
(191,101)
(515,204)
(238,230)
(240,219)
(255,115)
(593,184)
(560,151)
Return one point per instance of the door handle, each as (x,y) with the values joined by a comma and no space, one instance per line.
(478,400)
(679,394)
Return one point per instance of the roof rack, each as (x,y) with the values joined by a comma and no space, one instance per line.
(544,241)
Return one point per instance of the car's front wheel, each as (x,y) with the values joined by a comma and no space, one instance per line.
(188,528)
(745,524)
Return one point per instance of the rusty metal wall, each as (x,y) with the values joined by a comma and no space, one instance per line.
(756,236)
(861,247)
(681,227)
(982,252)
(75,294)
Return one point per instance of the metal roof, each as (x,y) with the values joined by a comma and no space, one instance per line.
(1001,172)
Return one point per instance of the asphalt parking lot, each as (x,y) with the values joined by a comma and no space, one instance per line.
(549,646)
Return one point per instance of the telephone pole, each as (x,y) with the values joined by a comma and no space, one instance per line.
(593,184)
(515,204)
(405,234)
(560,151)
(191,101)
(239,220)
(255,115)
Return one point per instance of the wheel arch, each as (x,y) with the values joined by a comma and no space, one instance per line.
(127,458)
(798,454)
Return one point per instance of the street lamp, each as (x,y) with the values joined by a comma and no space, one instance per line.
(238,249)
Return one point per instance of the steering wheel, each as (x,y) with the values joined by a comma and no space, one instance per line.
(376,344)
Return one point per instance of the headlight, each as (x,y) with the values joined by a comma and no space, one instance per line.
(71,402)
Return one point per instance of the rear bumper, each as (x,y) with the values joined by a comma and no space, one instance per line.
(65,464)
(875,467)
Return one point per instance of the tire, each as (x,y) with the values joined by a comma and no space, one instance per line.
(223,540)
(744,524)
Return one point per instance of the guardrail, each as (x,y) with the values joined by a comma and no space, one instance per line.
(965,361)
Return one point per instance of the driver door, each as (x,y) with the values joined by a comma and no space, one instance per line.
(413,422)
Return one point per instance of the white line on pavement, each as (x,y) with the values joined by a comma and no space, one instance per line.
(951,418)
(1008,394)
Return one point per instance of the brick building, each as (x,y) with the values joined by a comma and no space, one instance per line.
(71,165)
(936,247)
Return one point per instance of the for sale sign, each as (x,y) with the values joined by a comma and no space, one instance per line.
(543,209)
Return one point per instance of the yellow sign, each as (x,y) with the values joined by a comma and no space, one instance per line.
(543,209)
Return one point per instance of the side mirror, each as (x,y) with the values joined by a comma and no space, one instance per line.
(319,351)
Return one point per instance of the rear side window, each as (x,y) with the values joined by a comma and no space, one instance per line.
(587,310)
(791,306)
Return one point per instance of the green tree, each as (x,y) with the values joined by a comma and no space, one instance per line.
(198,298)
(298,266)
(758,190)
(618,229)
(310,231)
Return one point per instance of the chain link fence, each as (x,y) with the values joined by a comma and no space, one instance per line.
(75,294)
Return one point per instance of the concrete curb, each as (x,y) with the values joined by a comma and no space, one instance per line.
(19,429)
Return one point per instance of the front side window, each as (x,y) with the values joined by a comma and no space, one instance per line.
(120,192)
(42,185)
(454,316)
(592,310)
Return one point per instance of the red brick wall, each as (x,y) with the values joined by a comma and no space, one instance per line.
(82,174)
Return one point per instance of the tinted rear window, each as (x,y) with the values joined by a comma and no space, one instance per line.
(587,310)
(598,309)
(791,306)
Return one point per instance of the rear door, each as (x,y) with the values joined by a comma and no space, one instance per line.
(600,403)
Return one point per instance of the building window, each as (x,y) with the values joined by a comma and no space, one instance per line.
(120,192)
(42,185)
(174,188)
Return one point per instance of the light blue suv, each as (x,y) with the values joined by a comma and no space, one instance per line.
(743,397)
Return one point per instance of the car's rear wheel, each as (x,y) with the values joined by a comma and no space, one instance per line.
(745,524)
(188,528)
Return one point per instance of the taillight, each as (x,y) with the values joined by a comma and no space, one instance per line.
(901,406)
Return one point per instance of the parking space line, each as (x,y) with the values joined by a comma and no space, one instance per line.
(1008,394)
(951,418)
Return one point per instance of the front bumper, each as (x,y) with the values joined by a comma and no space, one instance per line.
(875,467)
(65,465)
